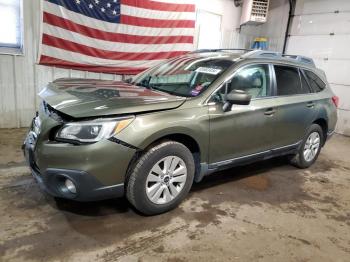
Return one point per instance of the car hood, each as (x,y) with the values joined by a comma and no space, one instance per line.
(88,98)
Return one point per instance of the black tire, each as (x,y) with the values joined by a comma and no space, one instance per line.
(299,160)
(136,184)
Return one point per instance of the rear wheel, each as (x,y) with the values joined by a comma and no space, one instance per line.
(310,148)
(161,178)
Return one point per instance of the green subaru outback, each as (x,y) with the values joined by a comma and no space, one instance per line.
(152,136)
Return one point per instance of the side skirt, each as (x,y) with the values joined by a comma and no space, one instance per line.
(207,169)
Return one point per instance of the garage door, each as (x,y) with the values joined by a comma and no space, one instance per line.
(321,29)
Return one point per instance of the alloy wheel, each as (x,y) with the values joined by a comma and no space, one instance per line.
(312,146)
(166,180)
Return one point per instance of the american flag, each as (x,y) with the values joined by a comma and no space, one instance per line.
(115,36)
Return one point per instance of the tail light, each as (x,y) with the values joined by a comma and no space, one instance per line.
(335,100)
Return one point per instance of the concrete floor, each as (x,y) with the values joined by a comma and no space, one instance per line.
(267,211)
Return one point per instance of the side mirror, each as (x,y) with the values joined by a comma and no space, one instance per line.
(236,97)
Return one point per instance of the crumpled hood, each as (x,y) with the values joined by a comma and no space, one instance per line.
(90,98)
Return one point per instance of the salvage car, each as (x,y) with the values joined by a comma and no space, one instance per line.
(150,137)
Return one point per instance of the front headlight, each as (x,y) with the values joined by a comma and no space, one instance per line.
(92,131)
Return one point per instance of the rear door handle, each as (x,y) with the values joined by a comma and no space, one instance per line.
(310,104)
(270,111)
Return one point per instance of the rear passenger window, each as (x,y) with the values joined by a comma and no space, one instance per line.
(315,82)
(288,81)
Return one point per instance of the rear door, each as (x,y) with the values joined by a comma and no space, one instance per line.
(294,105)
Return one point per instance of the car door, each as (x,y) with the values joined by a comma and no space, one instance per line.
(243,130)
(294,106)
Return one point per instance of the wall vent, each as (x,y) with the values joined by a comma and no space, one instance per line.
(254,12)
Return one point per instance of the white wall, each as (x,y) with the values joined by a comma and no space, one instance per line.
(321,30)
(235,37)
(21,78)
(230,18)
(274,29)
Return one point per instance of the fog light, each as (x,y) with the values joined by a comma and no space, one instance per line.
(70,186)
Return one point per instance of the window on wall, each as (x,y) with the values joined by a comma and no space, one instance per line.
(209,30)
(11,26)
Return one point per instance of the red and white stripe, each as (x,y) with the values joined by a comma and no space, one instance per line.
(149,32)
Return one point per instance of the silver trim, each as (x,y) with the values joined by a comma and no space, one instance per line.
(228,161)
(220,163)
(282,147)
(109,187)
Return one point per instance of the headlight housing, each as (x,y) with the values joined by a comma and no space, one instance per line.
(92,131)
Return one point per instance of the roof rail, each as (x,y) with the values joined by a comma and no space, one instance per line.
(301,59)
(278,55)
(220,49)
(261,53)
(257,53)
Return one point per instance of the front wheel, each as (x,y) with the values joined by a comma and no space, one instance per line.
(310,148)
(161,178)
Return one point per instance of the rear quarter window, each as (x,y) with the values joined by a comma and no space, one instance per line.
(315,82)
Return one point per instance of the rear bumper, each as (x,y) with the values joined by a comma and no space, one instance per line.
(330,134)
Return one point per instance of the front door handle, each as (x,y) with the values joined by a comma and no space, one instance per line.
(310,104)
(270,111)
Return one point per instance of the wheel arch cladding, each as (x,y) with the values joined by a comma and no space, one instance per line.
(185,139)
(323,124)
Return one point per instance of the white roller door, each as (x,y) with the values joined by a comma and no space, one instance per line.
(321,29)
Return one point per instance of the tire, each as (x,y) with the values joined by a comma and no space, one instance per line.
(302,159)
(140,184)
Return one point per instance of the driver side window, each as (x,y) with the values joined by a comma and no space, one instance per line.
(253,79)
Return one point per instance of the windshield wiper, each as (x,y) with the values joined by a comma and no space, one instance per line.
(166,91)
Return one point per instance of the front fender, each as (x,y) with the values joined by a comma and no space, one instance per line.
(147,128)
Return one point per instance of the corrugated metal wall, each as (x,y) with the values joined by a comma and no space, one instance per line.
(321,29)
(21,78)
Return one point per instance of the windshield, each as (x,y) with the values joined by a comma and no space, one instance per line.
(183,76)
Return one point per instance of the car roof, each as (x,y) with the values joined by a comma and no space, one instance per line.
(261,55)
